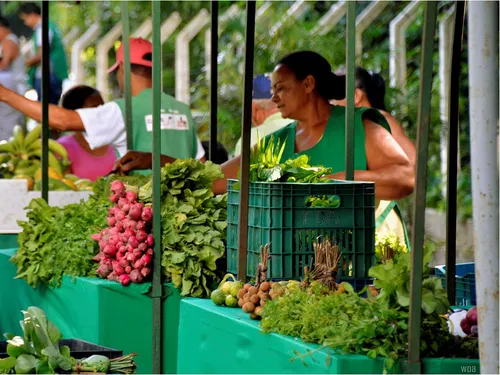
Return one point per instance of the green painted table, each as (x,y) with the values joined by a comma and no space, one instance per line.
(226,341)
(99,311)
(8,241)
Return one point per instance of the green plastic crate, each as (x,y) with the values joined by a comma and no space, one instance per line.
(278,214)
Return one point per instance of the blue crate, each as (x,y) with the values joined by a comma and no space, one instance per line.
(465,277)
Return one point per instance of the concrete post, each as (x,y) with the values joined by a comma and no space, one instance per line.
(297,10)
(397,44)
(365,19)
(330,19)
(182,66)
(102,63)
(71,36)
(483,99)
(78,47)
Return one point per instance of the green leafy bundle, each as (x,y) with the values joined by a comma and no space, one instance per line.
(388,246)
(193,224)
(38,351)
(55,241)
(266,166)
(375,326)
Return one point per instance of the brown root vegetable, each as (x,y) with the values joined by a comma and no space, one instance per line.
(260,294)
(248,307)
(241,302)
(246,298)
(263,302)
(373,290)
(273,295)
(253,290)
(255,299)
(241,293)
(265,286)
(246,287)
(254,316)
(258,311)
(265,297)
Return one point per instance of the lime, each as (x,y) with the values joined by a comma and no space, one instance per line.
(231,301)
(235,288)
(218,297)
(226,287)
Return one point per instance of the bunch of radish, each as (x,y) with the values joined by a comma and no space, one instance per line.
(126,246)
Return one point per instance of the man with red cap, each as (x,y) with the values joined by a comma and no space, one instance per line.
(105,125)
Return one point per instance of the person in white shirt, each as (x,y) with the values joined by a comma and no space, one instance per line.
(105,125)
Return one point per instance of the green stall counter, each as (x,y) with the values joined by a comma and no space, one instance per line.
(99,311)
(8,241)
(226,341)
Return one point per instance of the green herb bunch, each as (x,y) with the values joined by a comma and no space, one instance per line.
(194,224)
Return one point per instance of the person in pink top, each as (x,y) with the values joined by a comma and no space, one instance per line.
(85,162)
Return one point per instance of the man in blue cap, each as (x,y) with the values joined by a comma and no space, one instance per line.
(266,118)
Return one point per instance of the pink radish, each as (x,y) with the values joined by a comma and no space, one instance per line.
(119,256)
(98,257)
(120,227)
(137,253)
(128,233)
(142,247)
(120,215)
(111,221)
(130,224)
(121,202)
(145,271)
(150,252)
(122,249)
(141,225)
(124,279)
(109,250)
(126,208)
(119,270)
(118,188)
(138,264)
(131,257)
(124,262)
(150,241)
(128,269)
(114,198)
(131,197)
(96,237)
(147,214)
(130,248)
(135,276)
(141,236)
(135,212)
(146,259)
(113,276)
(132,240)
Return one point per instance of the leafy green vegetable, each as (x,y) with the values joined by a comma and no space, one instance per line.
(193,224)
(56,241)
(388,246)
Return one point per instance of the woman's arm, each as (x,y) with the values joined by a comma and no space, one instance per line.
(400,136)
(388,166)
(10,51)
(59,118)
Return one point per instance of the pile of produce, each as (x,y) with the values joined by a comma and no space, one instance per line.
(376,325)
(227,292)
(56,241)
(20,158)
(387,247)
(126,245)
(39,352)
(193,224)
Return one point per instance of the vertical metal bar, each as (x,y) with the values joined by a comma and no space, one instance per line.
(349,108)
(424,110)
(483,101)
(157,284)
(126,65)
(245,143)
(214,51)
(45,99)
(451,188)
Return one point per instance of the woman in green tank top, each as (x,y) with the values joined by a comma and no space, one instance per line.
(303,84)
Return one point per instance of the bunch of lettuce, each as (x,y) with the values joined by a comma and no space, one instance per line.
(193,224)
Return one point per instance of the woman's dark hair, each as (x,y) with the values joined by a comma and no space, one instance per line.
(29,8)
(305,63)
(75,97)
(372,84)
(4,22)
(220,156)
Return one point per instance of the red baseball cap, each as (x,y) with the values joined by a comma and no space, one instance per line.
(138,49)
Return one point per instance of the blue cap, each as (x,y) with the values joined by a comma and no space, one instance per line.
(262,87)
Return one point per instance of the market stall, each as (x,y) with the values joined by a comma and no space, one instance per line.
(99,311)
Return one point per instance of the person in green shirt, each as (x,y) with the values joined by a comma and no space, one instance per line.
(303,84)
(105,124)
(30,14)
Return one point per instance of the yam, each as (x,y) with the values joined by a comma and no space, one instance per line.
(253,290)
(254,299)
(241,293)
(265,286)
(246,287)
